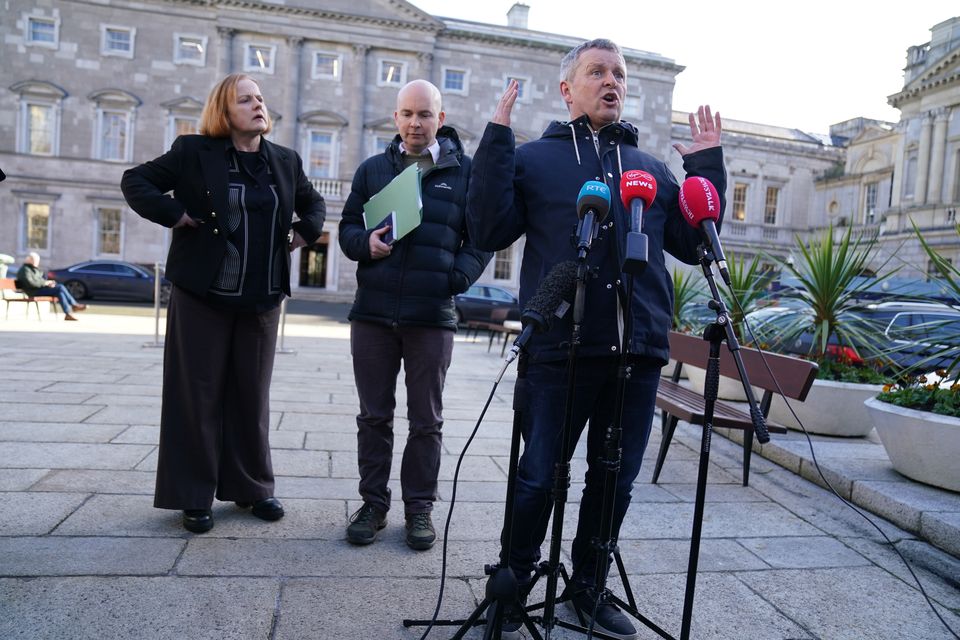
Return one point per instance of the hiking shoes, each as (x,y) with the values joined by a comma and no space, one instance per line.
(420,532)
(610,619)
(365,524)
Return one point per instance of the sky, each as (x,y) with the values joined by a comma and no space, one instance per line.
(760,61)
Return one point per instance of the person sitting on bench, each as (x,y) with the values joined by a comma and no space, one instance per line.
(33,282)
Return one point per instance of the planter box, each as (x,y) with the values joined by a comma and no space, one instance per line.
(831,409)
(922,445)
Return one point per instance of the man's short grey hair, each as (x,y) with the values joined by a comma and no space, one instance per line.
(569,62)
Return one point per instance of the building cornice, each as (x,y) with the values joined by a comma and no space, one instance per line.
(931,80)
(418,21)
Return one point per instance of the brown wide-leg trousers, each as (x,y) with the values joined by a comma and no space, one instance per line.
(214,424)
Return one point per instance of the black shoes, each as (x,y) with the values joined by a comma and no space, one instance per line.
(610,620)
(267,509)
(365,524)
(197,520)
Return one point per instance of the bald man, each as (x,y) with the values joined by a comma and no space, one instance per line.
(404,311)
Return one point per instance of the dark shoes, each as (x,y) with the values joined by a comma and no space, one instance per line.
(67,316)
(365,524)
(512,622)
(420,532)
(198,520)
(79,307)
(266,509)
(610,619)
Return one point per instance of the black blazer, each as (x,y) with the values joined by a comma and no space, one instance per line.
(195,169)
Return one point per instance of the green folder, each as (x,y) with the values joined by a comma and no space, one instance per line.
(398,204)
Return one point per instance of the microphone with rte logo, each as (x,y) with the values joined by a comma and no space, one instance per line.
(593,203)
(638,189)
(700,204)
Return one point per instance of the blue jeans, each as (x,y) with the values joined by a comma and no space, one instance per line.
(545,389)
(66,300)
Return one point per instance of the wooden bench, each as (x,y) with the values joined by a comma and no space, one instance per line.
(677,402)
(10,293)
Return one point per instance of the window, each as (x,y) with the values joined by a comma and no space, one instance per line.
(114,131)
(109,222)
(392,73)
(770,205)
(870,204)
(43,32)
(521,87)
(183,126)
(38,122)
(259,57)
(189,49)
(910,177)
(380,143)
(456,81)
(503,264)
(36,226)
(740,201)
(117,41)
(326,65)
(320,154)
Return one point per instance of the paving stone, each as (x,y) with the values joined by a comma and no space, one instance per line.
(92,608)
(13,412)
(68,455)
(784,552)
(303,487)
(344,465)
(672,556)
(139,434)
(290,462)
(96,481)
(57,432)
(20,479)
(904,503)
(58,556)
(330,441)
(943,529)
(121,516)
(844,604)
(714,492)
(36,513)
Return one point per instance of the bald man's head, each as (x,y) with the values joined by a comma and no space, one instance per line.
(419,115)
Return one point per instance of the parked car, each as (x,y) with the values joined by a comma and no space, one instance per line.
(110,280)
(926,335)
(486,303)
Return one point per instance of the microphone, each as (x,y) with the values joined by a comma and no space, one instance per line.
(549,302)
(638,189)
(700,204)
(593,203)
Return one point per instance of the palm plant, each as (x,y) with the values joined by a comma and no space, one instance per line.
(686,292)
(749,287)
(824,305)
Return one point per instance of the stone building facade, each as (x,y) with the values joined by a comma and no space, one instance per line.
(88,89)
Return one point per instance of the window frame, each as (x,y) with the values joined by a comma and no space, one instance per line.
(180,36)
(54,21)
(247,67)
(380,68)
(523,93)
(102,113)
(770,217)
(337,74)
(24,128)
(871,190)
(99,209)
(742,202)
(308,131)
(105,51)
(23,236)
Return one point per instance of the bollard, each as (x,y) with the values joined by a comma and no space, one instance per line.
(283,327)
(156,308)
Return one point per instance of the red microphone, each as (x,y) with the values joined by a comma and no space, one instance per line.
(638,189)
(700,204)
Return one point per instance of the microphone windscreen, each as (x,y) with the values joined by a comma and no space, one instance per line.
(637,184)
(699,201)
(558,285)
(594,195)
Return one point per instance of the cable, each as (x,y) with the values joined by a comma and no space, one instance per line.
(816,464)
(453,501)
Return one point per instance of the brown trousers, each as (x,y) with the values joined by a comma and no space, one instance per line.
(215,419)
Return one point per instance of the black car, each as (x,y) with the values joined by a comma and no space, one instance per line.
(110,280)
(486,303)
(925,335)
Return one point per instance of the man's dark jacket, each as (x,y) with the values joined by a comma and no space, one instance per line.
(415,284)
(30,278)
(533,190)
(195,169)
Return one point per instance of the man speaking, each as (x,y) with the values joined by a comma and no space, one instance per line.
(533,190)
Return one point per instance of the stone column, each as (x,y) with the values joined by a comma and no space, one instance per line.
(358,98)
(923,160)
(899,165)
(294,90)
(937,150)
(225,64)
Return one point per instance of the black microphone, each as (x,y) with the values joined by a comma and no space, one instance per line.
(593,203)
(549,302)
(700,204)
(638,189)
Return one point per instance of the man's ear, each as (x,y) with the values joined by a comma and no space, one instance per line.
(565,92)
(441,117)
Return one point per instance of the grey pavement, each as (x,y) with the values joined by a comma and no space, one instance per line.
(83,554)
